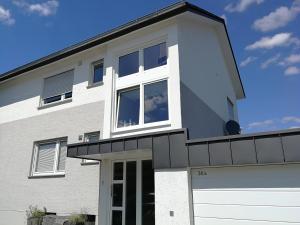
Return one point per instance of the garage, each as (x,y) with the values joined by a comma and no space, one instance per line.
(248,195)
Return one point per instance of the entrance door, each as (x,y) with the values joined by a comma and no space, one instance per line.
(132,196)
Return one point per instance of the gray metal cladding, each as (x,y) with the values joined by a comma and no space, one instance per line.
(243,152)
(198,155)
(172,149)
(291,147)
(269,150)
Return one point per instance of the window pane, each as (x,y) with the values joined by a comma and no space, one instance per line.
(117,195)
(148,212)
(129,108)
(116,217)
(92,137)
(68,95)
(118,171)
(45,157)
(62,156)
(98,73)
(156,102)
(130,193)
(155,56)
(129,64)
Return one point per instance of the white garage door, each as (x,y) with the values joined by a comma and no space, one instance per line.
(252,195)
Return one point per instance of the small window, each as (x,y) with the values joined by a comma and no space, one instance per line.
(97,72)
(91,137)
(58,88)
(129,64)
(50,157)
(156,102)
(155,56)
(128,107)
(230,107)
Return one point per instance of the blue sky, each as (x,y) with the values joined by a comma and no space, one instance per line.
(265,35)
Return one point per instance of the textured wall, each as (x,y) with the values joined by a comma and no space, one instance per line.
(79,189)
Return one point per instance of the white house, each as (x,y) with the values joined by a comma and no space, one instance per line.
(129,127)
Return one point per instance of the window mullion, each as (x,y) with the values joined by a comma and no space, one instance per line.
(56,157)
(141,120)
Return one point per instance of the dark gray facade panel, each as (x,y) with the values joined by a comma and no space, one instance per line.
(291,147)
(220,153)
(105,147)
(130,144)
(72,151)
(82,150)
(178,150)
(198,155)
(243,152)
(161,152)
(93,149)
(200,120)
(269,150)
(145,143)
(117,146)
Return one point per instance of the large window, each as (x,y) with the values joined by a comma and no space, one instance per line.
(49,157)
(129,64)
(58,88)
(155,56)
(128,107)
(154,100)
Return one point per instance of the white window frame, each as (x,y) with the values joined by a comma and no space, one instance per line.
(91,82)
(55,171)
(85,139)
(140,79)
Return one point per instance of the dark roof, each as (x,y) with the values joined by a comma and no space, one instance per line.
(136,24)
(173,148)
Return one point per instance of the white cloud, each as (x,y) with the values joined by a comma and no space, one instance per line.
(289,119)
(292,59)
(278,18)
(270,61)
(43,9)
(292,70)
(241,5)
(248,60)
(278,40)
(5,16)
(264,123)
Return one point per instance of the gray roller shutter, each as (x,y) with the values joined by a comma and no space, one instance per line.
(58,84)
(45,157)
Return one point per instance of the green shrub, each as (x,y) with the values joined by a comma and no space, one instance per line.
(78,219)
(35,212)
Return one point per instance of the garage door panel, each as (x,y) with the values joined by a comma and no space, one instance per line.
(263,197)
(218,221)
(243,212)
(254,195)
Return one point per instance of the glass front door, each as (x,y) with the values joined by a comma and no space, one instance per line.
(132,200)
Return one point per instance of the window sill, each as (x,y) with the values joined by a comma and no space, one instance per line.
(89,163)
(53,175)
(55,104)
(91,85)
(142,127)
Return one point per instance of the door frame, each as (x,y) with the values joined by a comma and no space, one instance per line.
(138,189)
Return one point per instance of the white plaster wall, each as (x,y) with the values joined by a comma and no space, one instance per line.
(202,65)
(172,193)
